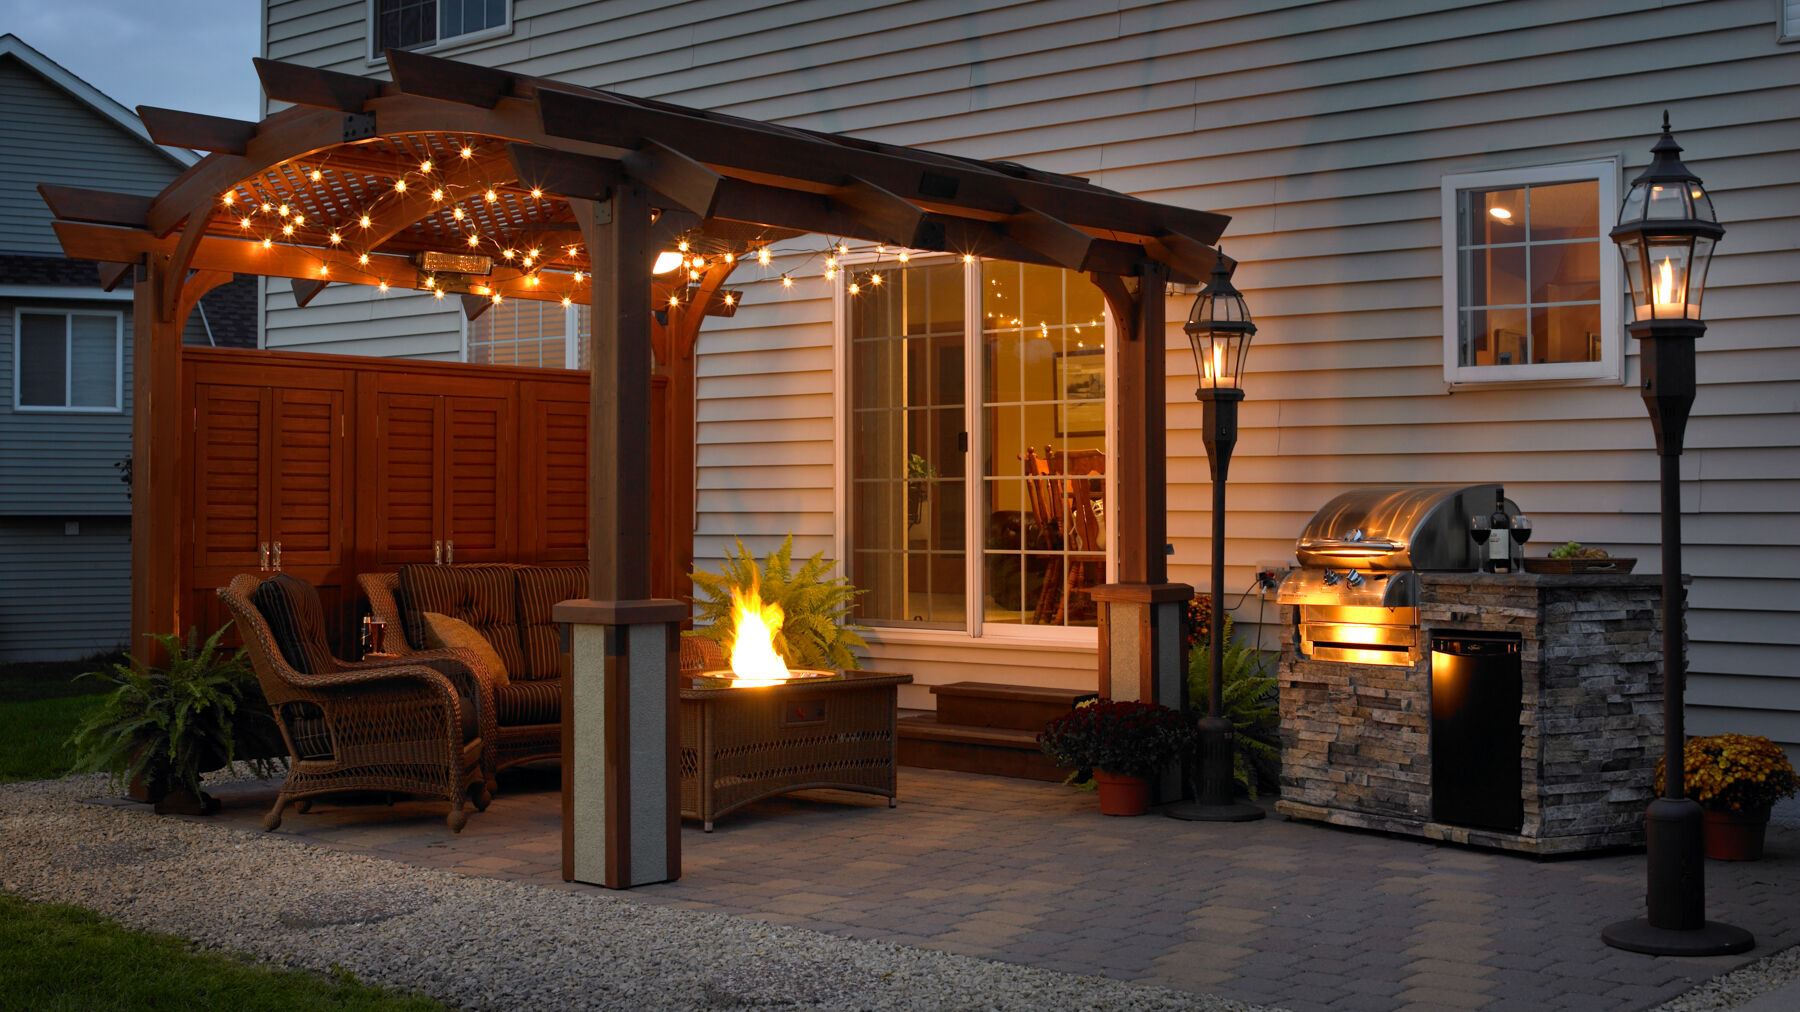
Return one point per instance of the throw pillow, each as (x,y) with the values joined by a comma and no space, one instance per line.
(444,631)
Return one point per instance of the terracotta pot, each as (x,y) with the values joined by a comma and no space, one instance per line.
(1121,794)
(1735,836)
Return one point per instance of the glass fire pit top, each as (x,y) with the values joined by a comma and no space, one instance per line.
(726,679)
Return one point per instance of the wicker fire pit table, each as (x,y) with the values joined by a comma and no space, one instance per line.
(743,743)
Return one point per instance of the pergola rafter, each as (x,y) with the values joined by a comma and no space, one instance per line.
(344,187)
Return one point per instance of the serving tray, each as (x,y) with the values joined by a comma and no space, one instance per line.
(1573,567)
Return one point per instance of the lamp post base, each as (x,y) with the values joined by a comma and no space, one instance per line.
(1200,811)
(1710,939)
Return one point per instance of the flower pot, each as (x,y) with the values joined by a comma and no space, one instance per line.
(1121,794)
(1735,836)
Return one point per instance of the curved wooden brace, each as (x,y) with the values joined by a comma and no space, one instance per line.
(196,286)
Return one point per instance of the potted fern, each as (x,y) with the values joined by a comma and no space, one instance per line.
(164,726)
(816,628)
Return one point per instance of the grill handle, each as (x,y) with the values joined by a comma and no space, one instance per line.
(1345,547)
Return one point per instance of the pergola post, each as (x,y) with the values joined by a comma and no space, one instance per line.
(1140,654)
(621,810)
(157,502)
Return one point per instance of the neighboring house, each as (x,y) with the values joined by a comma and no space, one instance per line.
(1360,147)
(65,364)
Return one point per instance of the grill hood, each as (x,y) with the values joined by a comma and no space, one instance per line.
(1394,528)
(1366,547)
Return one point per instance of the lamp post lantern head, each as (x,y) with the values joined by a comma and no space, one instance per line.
(1219,328)
(1666,232)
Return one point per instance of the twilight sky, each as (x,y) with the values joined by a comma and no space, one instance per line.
(192,55)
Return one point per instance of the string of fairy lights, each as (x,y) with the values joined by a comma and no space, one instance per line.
(453,196)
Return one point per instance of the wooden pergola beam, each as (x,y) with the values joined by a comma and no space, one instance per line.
(195,130)
(737,147)
(100,207)
(450,81)
(312,86)
(249,256)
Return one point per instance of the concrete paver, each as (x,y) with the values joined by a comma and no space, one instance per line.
(1292,914)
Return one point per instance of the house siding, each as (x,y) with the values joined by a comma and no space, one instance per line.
(51,137)
(1323,129)
(64,594)
(62,462)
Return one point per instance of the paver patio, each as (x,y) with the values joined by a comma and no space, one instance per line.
(1283,913)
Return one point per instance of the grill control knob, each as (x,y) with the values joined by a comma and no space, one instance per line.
(1331,578)
(1353,579)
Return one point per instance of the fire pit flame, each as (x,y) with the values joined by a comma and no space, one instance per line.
(753,657)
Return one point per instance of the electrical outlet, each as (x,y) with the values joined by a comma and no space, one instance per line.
(1270,574)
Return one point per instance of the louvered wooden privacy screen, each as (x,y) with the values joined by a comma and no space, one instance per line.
(353,465)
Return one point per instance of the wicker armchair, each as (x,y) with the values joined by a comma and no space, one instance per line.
(404,727)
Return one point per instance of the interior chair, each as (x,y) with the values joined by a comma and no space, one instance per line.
(414,727)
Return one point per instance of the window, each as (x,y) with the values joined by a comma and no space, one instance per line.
(1787,28)
(1020,349)
(1531,283)
(531,333)
(424,24)
(68,360)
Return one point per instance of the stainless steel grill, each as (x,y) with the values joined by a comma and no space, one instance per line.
(1356,591)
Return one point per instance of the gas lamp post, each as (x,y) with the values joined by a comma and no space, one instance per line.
(1665,235)
(1220,330)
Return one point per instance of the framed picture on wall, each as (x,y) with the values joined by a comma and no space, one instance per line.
(1081,392)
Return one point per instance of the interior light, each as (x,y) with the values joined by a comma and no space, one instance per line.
(667,261)
(1500,212)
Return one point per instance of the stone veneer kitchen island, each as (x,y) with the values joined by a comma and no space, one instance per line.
(1356,748)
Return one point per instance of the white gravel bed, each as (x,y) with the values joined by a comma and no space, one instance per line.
(480,943)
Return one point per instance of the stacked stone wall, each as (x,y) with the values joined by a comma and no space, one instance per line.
(1356,738)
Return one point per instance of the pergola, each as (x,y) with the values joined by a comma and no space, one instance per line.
(486,185)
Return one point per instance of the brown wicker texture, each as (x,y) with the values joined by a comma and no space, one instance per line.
(512,743)
(701,654)
(740,745)
(393,727)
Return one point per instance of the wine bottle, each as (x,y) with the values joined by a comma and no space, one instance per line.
(1499,553)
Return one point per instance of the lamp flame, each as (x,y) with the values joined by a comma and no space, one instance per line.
(753,657)
(1665,284)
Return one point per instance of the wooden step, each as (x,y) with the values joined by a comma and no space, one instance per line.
(989,704)
(995,751)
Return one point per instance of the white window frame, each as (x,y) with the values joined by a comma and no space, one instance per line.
(571,335)
(379,59)
(974,572)
(118,318)
(1610,368)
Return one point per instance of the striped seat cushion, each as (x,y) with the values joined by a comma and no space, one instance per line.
(484,596)
(538,701)
(540,589)
(297,622)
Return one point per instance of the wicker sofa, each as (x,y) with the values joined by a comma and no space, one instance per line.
(510,606)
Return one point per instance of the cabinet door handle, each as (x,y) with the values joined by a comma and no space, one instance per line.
(437,553)
(262,555)
(450,552)
(278,556)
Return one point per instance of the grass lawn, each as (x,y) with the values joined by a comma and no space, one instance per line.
(40,704)
(61,957)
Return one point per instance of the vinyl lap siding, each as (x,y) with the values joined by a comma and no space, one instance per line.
(52,138)
(59,462)
(63,595)
(1324,129)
